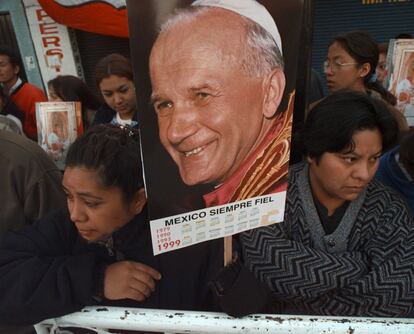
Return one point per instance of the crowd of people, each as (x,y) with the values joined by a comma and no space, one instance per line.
(345,247)
(116,103)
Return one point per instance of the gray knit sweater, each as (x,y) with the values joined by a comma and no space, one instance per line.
(364,268)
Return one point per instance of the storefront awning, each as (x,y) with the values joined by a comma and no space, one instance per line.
(107,17)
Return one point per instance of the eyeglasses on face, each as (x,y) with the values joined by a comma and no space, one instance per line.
(335,66)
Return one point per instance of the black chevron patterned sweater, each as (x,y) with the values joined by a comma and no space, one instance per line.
(364,268)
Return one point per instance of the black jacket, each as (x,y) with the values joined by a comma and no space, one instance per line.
(47,270)
(105,114)
(10,108)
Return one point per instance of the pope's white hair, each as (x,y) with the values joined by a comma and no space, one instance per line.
(261,54)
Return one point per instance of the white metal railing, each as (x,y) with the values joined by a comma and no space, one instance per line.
(168,321)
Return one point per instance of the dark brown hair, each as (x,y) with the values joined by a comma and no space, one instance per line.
(112,151)
(383,48)
(332,123)
(113,64)
(363,49)
(13,57)
(71,88)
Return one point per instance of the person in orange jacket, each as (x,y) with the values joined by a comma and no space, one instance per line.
(23,94)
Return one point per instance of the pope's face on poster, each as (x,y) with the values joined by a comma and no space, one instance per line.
(213,101)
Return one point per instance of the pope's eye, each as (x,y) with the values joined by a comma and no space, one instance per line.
(164,105)
(202,94)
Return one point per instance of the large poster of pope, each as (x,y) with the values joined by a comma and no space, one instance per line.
(215,89)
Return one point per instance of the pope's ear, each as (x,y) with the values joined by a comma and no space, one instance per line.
(274,86)
(139,201)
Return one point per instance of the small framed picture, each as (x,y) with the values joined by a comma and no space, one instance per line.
(58,125)
(400,60)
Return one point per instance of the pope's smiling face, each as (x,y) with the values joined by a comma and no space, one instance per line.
(210,110)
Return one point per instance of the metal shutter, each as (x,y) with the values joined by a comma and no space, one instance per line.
(93,47)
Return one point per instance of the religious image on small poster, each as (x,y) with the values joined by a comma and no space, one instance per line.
(58,125)
(215,101)
(400,60)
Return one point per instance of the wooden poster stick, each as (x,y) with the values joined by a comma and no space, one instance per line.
(228,250)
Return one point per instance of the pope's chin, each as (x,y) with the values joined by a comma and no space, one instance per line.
(199,168)
(192,178)
(203,173)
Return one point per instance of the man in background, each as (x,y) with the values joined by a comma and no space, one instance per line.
(23,94)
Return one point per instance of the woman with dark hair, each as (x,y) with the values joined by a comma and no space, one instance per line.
(99,250)
(115,81)
(346,245)
(351,64)
(71,88)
